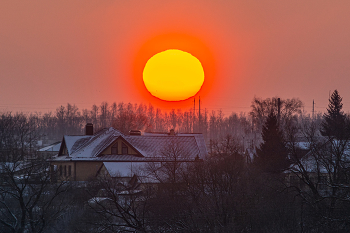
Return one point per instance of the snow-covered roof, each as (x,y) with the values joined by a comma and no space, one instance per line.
(55,147)
(14,167)
(198,137)
(317,158)
(303,145)
(75,142)
(92,145)
(149,146)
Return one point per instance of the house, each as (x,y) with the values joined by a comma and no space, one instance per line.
(324,167)
(110,152)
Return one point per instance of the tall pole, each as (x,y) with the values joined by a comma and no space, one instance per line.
(194,112)
(279,109)
(313,109)
(199,115)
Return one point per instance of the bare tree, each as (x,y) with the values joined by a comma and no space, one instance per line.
(28,202)
(104,114)
(118,206)
(321,179)
(171,164)
(261,108)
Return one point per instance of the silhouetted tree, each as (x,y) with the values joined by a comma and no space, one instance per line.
(28,201)
(334,124)
(321,181)
(118,206)
(104,115)
(272,156)
(261,108)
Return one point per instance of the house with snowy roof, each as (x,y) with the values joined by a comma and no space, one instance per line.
(111,152)
(324,166)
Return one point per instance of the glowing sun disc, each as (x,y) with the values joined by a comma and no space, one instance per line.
(173,75)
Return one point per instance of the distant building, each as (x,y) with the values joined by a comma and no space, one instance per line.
(115,154)
(50,150)
(325,166)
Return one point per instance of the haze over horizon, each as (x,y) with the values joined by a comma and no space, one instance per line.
(84,52)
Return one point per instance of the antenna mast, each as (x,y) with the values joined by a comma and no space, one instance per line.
(194,112)
(199,115)
(278,109)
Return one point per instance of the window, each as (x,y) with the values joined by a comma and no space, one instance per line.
(65,170)
(114,149)
(60,170)
(124,149)
(69,170)
(64,151)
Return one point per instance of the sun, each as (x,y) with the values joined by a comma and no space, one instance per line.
(173,75)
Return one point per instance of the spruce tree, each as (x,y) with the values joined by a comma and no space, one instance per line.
(334,122)
(272,156)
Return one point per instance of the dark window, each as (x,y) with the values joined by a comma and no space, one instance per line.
(65,170)
(60,170)
(69,170)
(114,149)
(124,149)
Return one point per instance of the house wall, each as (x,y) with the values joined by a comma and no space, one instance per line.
(79,171)
(87,170)
(62,170)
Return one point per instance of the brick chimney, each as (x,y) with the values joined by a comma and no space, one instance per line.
(89,129)
(135,132)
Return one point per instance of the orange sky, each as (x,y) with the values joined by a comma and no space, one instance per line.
(86,52)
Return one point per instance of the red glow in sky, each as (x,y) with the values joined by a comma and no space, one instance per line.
(182,42)
(86,52)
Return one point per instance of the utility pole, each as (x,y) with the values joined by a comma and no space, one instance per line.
(199,115)
(194,104)
(279,109)
(313,109)
(194,113)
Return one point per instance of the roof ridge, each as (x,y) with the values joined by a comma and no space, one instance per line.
(104,144)
(105,131)
(168,136)
(92,138)
(145,145)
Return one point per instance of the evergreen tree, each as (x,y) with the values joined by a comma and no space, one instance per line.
(272,156)
(334,123)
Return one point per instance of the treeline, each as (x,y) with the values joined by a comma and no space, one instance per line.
(214,125)
(127,116)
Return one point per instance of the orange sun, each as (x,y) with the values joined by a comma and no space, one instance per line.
(173,75)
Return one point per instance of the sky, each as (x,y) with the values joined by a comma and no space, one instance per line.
(86,52)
